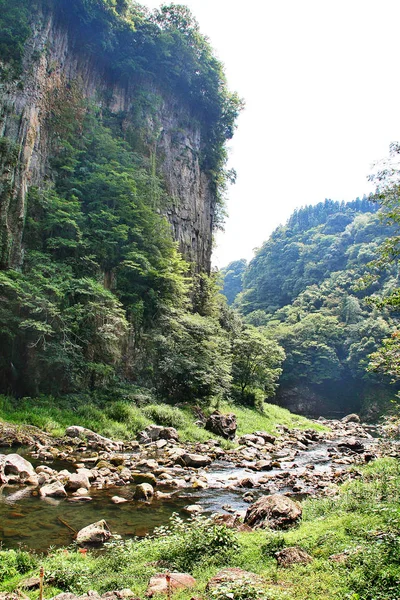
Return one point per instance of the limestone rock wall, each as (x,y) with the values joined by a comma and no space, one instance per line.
(53,61)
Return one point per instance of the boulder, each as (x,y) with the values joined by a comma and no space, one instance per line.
(144,491)
(169,433)
(194,460)
(275,511)
(194,509)
(78,480)
(14,464)
(159,585)
(352,444)
(96,533)
(92,439)
(292,556)
(223,425)
(352,418)
(251,439)
(152,433)
(53,490)
(267,437)
(138,478)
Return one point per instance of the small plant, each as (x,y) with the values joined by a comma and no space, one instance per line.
(238,590)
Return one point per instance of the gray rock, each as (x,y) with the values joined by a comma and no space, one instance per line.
(144,491)
(92,439)
(352,418)
(78,480)
(53,490)
(275,511)
(223,425)
(194,460)
(14,464)
(96,533)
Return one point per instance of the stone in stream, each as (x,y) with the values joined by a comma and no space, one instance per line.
(78,480)
(352,444)
(138,478)
(95,533)
(144,491)
(194,509)
(275,511)
(16,468)
(352,418)
(194,460)
(159,585)
(223,425)
(292,556)
(268,438)
(53,490)
(118,500)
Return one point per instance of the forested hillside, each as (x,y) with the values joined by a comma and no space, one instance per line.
(304,290)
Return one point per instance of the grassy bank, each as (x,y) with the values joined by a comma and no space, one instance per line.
(123,420)
(361,525)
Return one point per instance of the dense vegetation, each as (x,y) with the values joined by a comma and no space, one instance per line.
(355,551)
(304,289)
(103,301)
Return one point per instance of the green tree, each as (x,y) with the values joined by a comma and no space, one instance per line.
(256,364)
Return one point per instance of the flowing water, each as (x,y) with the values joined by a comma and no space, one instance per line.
(39,523)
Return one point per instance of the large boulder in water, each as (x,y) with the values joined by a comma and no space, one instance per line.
(53,490)
(14,464)
(223,425)
(275,511)
(144,491)
(96,533)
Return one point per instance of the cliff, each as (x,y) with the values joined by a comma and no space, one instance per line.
(164,127)
(112,160)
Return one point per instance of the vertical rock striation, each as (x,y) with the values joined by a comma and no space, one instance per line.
(54,64)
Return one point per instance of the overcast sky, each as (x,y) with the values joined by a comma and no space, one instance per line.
(321,83)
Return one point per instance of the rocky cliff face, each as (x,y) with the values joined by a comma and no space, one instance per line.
(52,64)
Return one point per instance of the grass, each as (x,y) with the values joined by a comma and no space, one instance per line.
(362,522)
(120,419)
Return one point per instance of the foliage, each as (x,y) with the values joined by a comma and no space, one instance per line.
(192,358)
(256,363)
(165,47)
(386,359)
(233,279)
(14,31)
(301,290)
(14,562)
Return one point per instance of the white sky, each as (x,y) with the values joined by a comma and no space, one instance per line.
(321,83)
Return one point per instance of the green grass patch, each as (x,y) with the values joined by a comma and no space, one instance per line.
(123,419)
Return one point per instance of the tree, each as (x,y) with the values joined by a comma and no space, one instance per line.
(256,364)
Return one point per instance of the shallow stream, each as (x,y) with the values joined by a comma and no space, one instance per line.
(38,523)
